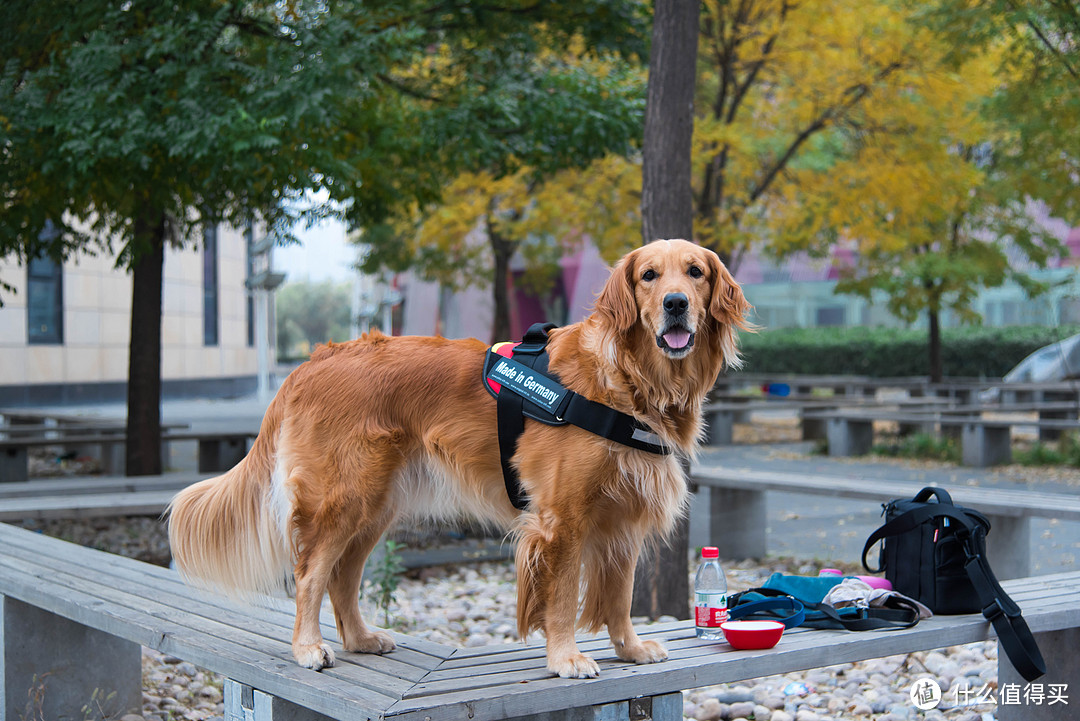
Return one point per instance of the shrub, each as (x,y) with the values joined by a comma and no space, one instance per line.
(967,352)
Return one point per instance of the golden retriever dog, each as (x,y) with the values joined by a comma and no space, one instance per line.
(383,430)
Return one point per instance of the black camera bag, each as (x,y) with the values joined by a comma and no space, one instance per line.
(935,552)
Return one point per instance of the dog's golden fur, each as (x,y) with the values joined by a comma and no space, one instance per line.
(380,430)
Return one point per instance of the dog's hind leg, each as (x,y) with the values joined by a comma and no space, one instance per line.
(345,590)
(352,497)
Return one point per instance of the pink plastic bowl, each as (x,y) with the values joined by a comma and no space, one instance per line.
(752,634)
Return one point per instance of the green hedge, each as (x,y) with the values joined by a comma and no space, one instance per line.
(973,352)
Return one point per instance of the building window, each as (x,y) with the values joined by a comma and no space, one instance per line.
(832,315)
(210,285)
(45,301)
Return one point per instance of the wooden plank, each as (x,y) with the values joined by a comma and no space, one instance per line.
(1063,591)
(320,692)
(418,652)
(98,484)
(486,659)
(88,505)
(800,652)
(998,501)
(165,585)
(381,675)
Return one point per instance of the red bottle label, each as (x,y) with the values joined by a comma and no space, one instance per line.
(709,617)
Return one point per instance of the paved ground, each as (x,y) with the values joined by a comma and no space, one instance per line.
(804,526)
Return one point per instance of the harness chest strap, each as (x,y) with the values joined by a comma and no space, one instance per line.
(518,376)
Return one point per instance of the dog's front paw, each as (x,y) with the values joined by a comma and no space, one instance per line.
(642,652)
(576,665)
(371,642)
(316,656)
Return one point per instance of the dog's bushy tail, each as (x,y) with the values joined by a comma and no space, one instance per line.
(223,532)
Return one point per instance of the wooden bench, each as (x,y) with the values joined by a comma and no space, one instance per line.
(91,496)
(812,412)
(217,450)
(84,615)
(736,509)
(984,441)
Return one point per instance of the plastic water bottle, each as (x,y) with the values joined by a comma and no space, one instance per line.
(710,595)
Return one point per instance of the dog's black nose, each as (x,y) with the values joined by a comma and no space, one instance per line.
(676,303)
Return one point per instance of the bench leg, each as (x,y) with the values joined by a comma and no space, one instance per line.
(667,707)
(1008,546)
(848,437)
(52,667)
(719,431)
(113,458)
(221,455)
(731,519)
(244,703)
(1017,698)
(982,445)
(14,465)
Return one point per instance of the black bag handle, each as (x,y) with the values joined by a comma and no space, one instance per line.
(942,495)
(914,518)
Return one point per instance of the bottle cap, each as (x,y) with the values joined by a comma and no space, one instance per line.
(710,552)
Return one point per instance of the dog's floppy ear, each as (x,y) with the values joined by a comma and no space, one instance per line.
(727,304)
(616,303)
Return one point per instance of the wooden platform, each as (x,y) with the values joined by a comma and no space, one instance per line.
(149,606)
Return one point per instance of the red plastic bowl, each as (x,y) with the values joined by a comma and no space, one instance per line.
(752,634)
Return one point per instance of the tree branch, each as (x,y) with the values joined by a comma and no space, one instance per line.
(1046,42)
(855,94)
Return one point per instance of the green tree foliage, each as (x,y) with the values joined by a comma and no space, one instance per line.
(126,125)
(309,314)
(546,110)
(1040,97)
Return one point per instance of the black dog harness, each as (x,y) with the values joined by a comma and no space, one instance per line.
(517,375)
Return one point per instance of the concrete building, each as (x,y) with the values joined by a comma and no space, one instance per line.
(64,331)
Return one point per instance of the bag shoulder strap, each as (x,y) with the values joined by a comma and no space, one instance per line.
(773,602)
(1000,610)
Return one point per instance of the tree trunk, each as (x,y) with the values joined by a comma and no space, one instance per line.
(662,577)
(662,582)
(667,202)
(143,455)
(936,374)
(503,250)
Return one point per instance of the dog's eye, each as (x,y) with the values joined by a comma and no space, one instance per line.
(649,275)
(695,272)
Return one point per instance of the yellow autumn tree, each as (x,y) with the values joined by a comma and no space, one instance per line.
(934,209)
(482,221)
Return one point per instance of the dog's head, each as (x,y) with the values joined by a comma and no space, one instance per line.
(677,298)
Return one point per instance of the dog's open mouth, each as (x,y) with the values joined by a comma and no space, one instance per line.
(676,341)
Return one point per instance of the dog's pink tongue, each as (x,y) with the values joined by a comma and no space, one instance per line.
(677,338)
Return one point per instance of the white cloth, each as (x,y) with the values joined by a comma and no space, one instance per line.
(853,592)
